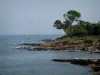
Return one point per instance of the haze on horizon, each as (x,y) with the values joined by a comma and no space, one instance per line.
(38,16)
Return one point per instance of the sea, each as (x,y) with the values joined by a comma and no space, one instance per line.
(22,62)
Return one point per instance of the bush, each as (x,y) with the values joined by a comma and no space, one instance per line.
(79,33)
(88,41)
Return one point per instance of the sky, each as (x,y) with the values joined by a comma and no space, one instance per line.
(38,16)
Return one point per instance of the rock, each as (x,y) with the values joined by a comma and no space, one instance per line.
(31,44)
(77,61)
(68,44)
(96,51)
(95,68)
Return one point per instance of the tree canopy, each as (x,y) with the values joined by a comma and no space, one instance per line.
(70,17)
(81,26)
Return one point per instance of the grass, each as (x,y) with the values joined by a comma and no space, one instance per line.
(87,39)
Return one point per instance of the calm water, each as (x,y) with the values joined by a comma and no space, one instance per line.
(22,62)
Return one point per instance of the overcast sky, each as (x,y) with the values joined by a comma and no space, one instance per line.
(38,16)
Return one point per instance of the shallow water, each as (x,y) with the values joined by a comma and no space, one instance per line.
(23,62)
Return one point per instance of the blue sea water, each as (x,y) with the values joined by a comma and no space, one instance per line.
(23,62)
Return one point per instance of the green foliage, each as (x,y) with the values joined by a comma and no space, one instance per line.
(90,39)
(68,29)
(72,15)
(80,28)
(88,26)
(58,24)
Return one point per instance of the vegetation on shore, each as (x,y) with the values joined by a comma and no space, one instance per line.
(74,26)
(78,33)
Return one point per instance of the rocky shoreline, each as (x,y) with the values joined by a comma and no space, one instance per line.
(84,61)
(68,44)
(94,64)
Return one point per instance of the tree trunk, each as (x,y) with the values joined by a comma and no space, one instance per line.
(65,31)
(70,32)
(71,29)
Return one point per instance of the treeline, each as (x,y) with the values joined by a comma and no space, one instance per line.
(73,26)
(85,28)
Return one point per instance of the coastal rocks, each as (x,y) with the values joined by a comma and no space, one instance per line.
(78,61)
(64,44)
(31,44)
(95,68)
(96,51)
(47,40)
(94,64)
(59,46)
